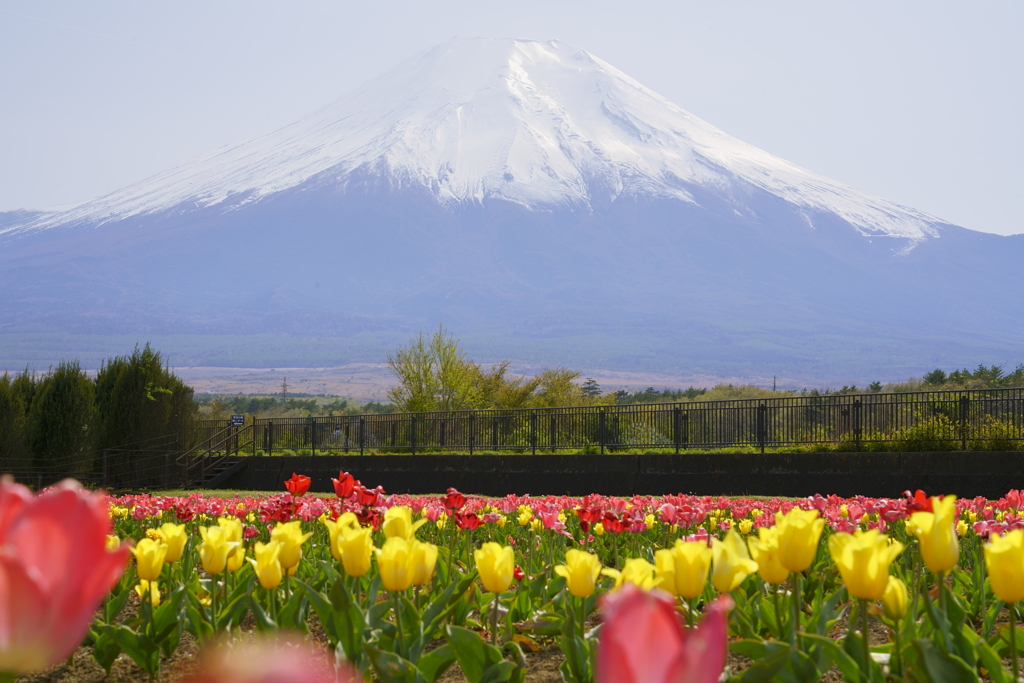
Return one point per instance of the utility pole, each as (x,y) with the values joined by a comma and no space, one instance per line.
(773,382)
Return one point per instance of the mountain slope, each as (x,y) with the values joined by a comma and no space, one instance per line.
(531,197)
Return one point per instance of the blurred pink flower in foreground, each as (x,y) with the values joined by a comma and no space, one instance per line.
(269,659)
(54,571)
(643,640)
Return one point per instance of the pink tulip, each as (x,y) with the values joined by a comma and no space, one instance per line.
(54,571)
(269,659)
(643,640)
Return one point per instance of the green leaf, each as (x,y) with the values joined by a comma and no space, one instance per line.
(942,668)
(391,668)
(769,658)
(142,650)
(105,650)
(798,669)
(474,655)
(114,605)
(263,620)
(991,661)
(835,654)
(293,613)
(433,664)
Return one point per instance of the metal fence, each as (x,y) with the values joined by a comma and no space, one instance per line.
(927,420)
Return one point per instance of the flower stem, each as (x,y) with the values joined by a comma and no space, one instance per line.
(778,611)
(398,624)
(494,619)
(864,637)
(796,609)
(583,617)
(1013,640)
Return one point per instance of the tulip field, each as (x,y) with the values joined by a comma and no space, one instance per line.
(452,587)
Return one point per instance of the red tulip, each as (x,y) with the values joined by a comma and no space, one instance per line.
(268,659)
(344,484)
(368,497)
(644,641)
(54,571)
(467,520)
(298,484)
(453,500)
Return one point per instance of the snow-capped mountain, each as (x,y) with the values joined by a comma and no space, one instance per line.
(537,124)
(533,198)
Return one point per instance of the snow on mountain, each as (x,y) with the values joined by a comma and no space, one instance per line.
(540,124)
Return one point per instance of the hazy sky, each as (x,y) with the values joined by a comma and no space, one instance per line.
(916,101)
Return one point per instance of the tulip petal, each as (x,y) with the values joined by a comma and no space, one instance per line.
(641,640)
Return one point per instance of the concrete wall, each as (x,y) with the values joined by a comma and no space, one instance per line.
(966,474)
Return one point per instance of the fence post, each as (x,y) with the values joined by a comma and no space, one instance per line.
(856,423)
(270,438)
(472,431)
(362,425)
(676,413)
(965,406)
(413,435)
(553,428)
(312,435)
(104,468)
(762,425)
(533,433)
(443,435)
(600,430)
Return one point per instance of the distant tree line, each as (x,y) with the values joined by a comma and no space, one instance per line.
(57,422)
(218,406)
(434,373)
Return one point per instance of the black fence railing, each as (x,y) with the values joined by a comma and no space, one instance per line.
(925,420)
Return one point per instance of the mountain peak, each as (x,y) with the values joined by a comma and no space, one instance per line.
(539,124)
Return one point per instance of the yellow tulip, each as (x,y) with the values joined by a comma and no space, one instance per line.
(863,560)
(174,537)
(961,527)
(636,571)
(580,571)
(495,564)
(422,559)
(149,558)
(799,533)
(335,529)
(354,546)
(215,548)
(291,537)
(598,529)
(745,526)
(393,563)
(525,516)
(536,525)
(149,591)
(894,599)
(765,551)
(683,568)
(398,522)
(732,563)
(936,534)
(237,556)
(268,564)
(113,543)
(1004,560)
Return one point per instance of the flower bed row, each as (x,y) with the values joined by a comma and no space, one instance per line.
(403,587)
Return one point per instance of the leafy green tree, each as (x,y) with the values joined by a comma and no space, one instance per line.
(14,453)
(61,421)
(433,374)
(496,389)
(138,399)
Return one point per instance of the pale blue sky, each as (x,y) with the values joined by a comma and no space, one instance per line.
(917,101)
